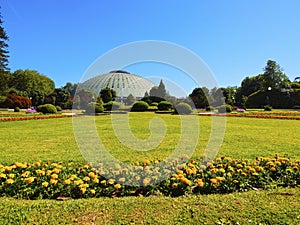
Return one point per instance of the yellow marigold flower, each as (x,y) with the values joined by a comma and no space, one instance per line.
(54,176)
(221,170)
(45,184)
(11,175)
(156,161)
(273,169)
(86,166)
(239,166)
(136,163)
(78,182)
(235,181)
(110,181)
(200,184)
(244,174)
(214,181)
(2,175)
(103,182)
(220,178)
(189,171)
(38,163)
(54,182)
(146,162)
(146,181)
(55,170)
(40,172)
(72,177)
(295,168)
(84,185)
(202,167)
(175,185)
(117,186)
(25,174)
(95,180)
(229,174)
(92,191)
(68,181)
(91,174)
(137,178)
(186,181)
(29,180)
(179,172)
(86,178)
(255,174)
(289,170)
(82,190)
(20,165)
(277,163)
(122,180)
(9,181)
(48,172)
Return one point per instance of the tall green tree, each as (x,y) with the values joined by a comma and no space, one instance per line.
(199,96)
(3,48)
(107,94)
(32,84)
(273,76)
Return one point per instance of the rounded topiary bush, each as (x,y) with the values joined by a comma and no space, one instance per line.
(46,109)
(94,107)
(183,109)
(154,104)
(58,108)
(16,109)
(112,106)
(165,105)
(209,108)
(268,108)
(139,106)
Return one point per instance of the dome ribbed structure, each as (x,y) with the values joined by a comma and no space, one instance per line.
(123,82)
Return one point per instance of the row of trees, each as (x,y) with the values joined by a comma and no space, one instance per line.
(24,88)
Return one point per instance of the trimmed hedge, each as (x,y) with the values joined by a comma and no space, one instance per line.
(165,105)
(183,109)
(139,106)
(94,107)
(46,109)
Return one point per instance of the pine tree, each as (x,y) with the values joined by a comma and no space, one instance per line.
(3,48)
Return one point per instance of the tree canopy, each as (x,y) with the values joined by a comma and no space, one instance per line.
(3,48)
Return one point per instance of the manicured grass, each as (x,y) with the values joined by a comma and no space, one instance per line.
(279,206)
(246,138)
(53,139)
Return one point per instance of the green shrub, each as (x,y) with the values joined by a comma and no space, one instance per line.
(58,108)
(209,108)
(139,106)
(165,105)
(47,108)
(16,109)
(225,109)
(94,107)
(268,108)
(154,104)
(183,108)
(112,106)
(296,107)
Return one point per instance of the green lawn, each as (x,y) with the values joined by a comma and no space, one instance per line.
(53,139)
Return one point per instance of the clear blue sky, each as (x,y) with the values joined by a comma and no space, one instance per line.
(60,39)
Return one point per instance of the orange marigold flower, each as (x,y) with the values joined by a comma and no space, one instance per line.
(220,178)
(214,181)
(117,186)
(200,184)
(54,176)
(273,169)
(54,182)
(29,180)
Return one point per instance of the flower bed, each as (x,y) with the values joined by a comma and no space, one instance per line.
(46,180)
(15,117)
(263,115)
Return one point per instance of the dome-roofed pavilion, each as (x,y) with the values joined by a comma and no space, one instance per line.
(123,82)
